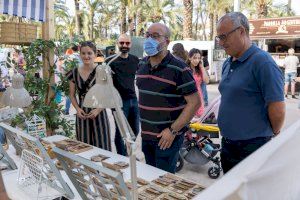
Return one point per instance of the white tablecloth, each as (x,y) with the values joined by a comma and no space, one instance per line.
(144,171)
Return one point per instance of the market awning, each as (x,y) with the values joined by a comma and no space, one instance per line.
(30,9)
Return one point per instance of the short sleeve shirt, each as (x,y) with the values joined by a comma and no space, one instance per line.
(291,63)
(248,85)
(161,93)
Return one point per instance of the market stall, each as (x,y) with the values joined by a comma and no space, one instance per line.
(277,35)
(152,182)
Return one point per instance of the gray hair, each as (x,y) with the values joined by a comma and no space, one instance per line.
(238,19)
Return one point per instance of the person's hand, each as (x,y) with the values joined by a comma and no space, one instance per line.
(166,139)
(81,114)
(94,113)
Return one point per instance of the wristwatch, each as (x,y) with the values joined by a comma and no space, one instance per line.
(173,131)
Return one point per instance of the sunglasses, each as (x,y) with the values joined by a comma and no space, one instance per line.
(122,43)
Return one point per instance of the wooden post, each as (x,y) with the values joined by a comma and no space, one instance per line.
(47,34)
(48,58)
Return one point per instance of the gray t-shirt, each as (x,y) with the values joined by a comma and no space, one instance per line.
(291,63)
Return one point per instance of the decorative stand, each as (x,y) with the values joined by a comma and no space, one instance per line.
(36,127)
(50,174)
(30,173)
(92,180)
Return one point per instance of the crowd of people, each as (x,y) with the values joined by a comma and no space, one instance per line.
(172,90)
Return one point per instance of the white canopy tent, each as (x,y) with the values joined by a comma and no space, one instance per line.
(272,172)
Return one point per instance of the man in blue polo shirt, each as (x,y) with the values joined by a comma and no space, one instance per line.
(168,100)
(252,105)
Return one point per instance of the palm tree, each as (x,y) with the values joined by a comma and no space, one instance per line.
(64,23)
(78,20)
(92,7)
(139,17)
(216,8)
(188,19)
(257,8)
(105,20)
(156,11)
(262,7)
(123,16)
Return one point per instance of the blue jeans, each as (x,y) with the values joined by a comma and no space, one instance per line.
(204,93)
(132,113)
(233,152)
(68,105)
(162,159)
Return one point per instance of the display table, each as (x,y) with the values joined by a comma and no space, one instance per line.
(144,171)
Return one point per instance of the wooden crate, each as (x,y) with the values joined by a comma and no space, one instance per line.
(17,33)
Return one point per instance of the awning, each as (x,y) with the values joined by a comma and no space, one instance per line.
(30,9)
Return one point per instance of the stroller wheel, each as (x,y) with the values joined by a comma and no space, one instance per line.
(214,172)
(179,164)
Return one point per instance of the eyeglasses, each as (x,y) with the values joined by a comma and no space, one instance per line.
(224,36)
(153,35)
(122,43)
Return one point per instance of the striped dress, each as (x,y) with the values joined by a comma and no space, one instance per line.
(91,131)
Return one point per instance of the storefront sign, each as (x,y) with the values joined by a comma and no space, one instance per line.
(272,28)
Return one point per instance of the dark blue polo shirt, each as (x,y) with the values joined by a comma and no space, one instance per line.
(248,85)
(161,93)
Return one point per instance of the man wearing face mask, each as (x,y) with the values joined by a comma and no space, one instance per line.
(124,69)
(168,99)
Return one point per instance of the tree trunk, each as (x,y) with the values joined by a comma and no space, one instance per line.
(123,17)
(211,22)
(196,25)
(188,19)
(91,24)
(77,18)
(139,21)
(289,7)
(203,25)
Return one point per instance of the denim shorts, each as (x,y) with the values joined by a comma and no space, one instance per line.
(289,77)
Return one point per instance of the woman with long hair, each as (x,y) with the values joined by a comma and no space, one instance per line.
(92,125)
(195,63)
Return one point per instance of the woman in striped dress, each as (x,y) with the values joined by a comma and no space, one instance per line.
(92,125)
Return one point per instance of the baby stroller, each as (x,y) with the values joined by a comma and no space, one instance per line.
(198,148)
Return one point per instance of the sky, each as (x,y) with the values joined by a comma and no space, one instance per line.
(295,5)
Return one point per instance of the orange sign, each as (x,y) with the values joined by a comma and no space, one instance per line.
(275,28)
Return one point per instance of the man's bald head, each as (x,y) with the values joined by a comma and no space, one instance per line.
(162,28)
(124,37)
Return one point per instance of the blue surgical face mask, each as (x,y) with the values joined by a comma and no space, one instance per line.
(151,47)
